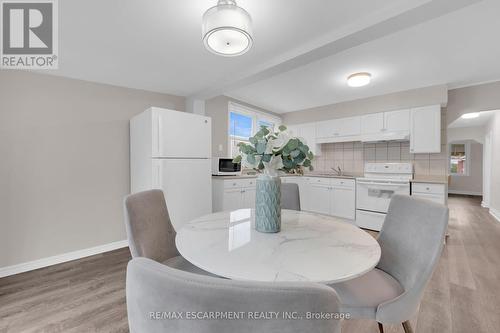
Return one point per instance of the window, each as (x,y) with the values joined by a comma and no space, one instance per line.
(244,122)
(459,159)
(240,125)
(267,124)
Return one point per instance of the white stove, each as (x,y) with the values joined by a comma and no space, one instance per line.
(374,191)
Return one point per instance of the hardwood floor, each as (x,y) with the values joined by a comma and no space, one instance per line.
(88,295)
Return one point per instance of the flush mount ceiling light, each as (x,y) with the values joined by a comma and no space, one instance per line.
(227,29)
(471,115)
(359,79)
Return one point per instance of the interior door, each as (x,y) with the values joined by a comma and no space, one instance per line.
(183,135)
(187,185)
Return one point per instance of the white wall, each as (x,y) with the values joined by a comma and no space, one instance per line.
(399,100)
(495,162)
(466,133)
(482,97)
(64,162)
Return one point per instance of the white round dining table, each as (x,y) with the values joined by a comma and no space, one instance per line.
(309,247)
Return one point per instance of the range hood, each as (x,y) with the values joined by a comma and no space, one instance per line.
(386,136)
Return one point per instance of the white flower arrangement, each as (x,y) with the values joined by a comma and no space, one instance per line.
(270,152)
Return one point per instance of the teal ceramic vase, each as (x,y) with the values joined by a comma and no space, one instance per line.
(268,204)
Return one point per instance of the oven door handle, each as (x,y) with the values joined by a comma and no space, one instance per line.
(383,184)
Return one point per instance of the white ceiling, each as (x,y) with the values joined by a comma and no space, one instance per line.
(156,44)
(456,49)
(302,53)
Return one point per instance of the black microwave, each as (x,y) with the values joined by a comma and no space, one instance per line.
(223,166)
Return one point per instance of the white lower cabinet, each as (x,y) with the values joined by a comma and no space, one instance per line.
(248,197)
(232,199)
(343,202)
(232,194)
(321,202)
(430,191)
(332,196)
(329,196)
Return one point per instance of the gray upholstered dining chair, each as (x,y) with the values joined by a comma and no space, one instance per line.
(150,232)
(411,240)
(290,198)
(155,291)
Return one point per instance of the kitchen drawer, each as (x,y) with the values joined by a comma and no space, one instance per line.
(428,188)
(320,181)
(237,183)
(290,179)
(249,182)
(438,198)
(343,182)
(369,220)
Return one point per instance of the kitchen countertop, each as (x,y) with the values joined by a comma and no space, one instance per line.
(243,176)
(431,179)
(417,179)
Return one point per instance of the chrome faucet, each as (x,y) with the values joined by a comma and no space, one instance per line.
(337,170)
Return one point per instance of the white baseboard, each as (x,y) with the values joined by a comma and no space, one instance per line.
(58,259)
(495,213)
(484,204)
(465,192)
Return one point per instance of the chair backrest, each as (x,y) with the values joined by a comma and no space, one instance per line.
(153,287)
(411,240)
(149,230)
(290,198)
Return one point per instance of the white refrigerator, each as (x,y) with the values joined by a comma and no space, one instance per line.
(171,150)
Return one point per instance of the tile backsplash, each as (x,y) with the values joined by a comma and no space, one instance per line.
(351,157)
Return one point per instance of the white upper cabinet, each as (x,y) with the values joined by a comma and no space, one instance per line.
(293,130)
(338,130)
(425,129)
(372,123)
(326,129)
(396,121)
(349,126)
(391,125)
(308,133)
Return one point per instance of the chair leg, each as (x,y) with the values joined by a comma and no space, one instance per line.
(380,328)
(407,327)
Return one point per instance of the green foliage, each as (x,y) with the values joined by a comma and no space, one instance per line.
(268,150)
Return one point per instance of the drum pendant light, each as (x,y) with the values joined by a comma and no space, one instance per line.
(227,29)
